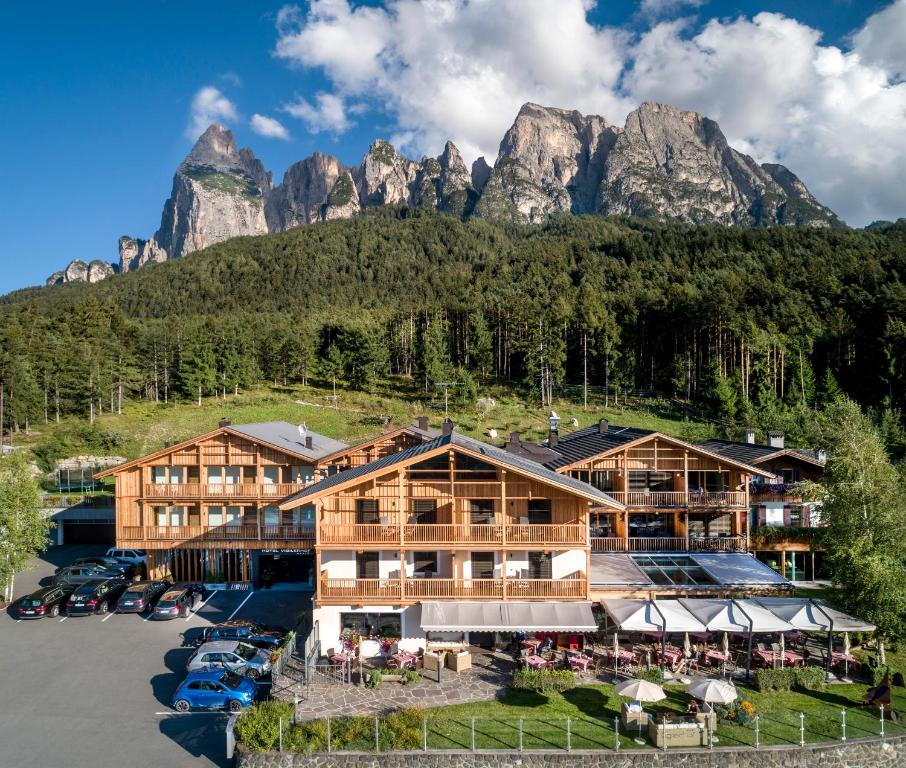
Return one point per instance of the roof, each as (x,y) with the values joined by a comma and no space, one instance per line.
(583,444)
(754,453)
(728,569)
(590,441)
(411,429)
(280,435)
(289,437)
(493,454)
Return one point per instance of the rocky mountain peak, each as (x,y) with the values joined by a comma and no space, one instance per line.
(215,148)
(384,177)
(305,189)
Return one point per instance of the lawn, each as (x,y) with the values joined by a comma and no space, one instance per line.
(592,709)
(145,426)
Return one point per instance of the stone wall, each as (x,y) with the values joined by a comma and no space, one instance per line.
(858,753)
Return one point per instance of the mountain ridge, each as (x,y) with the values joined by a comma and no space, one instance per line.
(664,163)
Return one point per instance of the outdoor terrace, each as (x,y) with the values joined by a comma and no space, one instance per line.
(352,590)
(668,544)
(572,534)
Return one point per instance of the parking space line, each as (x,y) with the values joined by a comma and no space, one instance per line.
(63,619)
(108,616)
(240,605)
(195,612)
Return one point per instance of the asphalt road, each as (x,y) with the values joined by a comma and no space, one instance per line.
(95,691)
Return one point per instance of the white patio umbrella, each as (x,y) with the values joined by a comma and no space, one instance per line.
(846,655)
(712,691)
(782,649)
(687,646)
(726,650)
(616,657)
(882,658)
(640,690)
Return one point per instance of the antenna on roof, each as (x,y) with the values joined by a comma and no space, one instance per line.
(303,431)
(445,385)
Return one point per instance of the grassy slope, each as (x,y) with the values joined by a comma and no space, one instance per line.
(144,427)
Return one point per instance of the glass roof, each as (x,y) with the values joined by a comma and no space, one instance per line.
(668,570)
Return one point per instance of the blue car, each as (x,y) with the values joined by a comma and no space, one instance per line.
(214,689)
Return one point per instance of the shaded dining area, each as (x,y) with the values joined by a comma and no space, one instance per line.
(728,637)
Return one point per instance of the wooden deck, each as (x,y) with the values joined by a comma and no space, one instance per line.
(246,536)
(220,490)
(345,591)
(680,499)
(669,544)
(573,535)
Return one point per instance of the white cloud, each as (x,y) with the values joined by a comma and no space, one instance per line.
(268,127)
(209,106)
(461,69)
(329,114)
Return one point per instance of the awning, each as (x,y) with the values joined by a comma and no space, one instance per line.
(651,616)
(763,620)
(843,622)
(507,616)
(717,615)
(800,613)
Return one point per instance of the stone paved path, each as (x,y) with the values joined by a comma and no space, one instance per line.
(483,682)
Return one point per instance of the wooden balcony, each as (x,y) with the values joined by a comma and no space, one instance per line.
(221,490)
(680,499)
(412,590)
(570,534)
(168,535)
(669,544)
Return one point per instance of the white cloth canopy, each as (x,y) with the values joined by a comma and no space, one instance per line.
(651,616)
(763,619)
(713,691)
(799,612)
(507,616)
(843,622)
(717,615)
(640,690)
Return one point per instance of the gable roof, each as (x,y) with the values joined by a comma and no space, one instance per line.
(279,435)
(409,429)
(584,444)
(753,453)
(468,445)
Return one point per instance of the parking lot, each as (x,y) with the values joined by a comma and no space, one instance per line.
(95,690)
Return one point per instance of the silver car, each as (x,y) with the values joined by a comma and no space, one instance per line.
(242,658)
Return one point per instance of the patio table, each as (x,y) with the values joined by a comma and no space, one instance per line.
(793,659)
(579,661)
(625,657)
(534,661)
(715,656)
(342,658)
(405,660)
(670,656)
(533,643)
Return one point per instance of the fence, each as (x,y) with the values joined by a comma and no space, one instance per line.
(412,732)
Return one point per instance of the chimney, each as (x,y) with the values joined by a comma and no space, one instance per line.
(225,423)
(309,443)
(446,428)
(775,438)
(552,438)
(750,436)
(822,455)
(422,423)
(603,426)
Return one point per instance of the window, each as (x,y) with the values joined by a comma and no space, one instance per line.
(539,511)
(651,526)
(271,475)
(166,475)
(366,512)
(602,480)
(372,624)
(425,564)
(539,565)
(709,481)
(304,515)
(197,685)
(670,570)
(773,515)
(367,564)
(652,481)
(481,511)
(271,515)
(424,511)
(468,468)
(482,565)
(170,515)
(603,525)
(435,468)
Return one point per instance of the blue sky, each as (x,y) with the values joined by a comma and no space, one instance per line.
(96,97)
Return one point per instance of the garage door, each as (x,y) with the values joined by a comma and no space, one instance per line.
(88,533)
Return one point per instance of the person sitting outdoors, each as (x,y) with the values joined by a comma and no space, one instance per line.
(692,708)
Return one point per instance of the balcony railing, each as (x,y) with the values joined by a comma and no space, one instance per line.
(430,533)
(179,533)
(451,589)
(669,544)
(221,490)
(680,498)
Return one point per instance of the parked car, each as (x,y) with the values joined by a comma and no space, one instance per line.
(177,601)
(247,631)
(48,601)
(79,574)
(142,596)
(214,689)
(124,567)
(234,656)
(138,557)
(95,596)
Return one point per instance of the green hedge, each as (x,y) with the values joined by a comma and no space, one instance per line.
(801,678)
(652,675)
(544,680)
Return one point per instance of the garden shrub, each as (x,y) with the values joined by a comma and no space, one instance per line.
(353,733)
(741,711)
(810,679)
(375,678)
(775,679)
(410,676)
(403,730)
(306,737)
(652,675)
(258,727)
(544,680)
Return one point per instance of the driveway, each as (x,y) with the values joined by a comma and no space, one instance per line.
(95,691)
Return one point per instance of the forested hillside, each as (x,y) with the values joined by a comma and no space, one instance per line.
(758,325)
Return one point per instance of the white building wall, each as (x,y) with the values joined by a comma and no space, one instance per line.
(566,563)
(338,565)
(330,626)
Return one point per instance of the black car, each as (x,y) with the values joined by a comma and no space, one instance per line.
(142,596)
(48,601)
(177,601)
(109,564)
(96,596)
(258,635)
(79,574)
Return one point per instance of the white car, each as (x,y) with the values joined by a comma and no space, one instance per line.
(138,557)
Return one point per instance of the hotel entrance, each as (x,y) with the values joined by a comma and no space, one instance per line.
(285,569)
